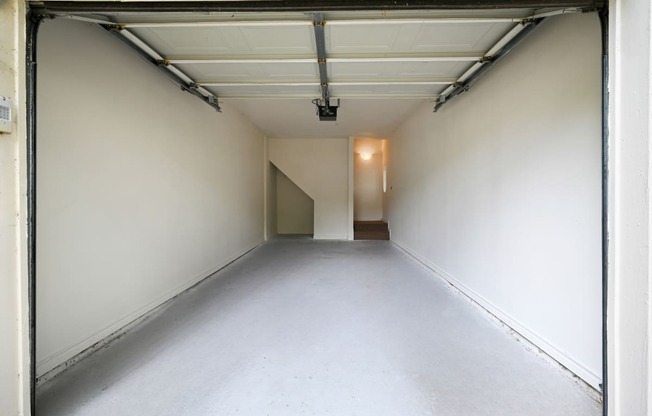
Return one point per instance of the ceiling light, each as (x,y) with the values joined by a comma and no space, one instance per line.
(365,156)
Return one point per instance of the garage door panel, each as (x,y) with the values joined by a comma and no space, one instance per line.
(411,38)
(267,91)
(387,90)
(229,41)
(396,70)
(466,38)
(361,39)
(250,72)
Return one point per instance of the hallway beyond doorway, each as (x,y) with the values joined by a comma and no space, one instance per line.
(316,327)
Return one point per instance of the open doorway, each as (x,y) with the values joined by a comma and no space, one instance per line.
(369,185)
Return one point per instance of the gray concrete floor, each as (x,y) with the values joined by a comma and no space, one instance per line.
(301,327)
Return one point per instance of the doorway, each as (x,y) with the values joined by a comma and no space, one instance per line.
(369,186)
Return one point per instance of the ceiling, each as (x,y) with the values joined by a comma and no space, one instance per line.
(271,66)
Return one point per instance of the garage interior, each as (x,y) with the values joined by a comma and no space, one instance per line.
(145,189)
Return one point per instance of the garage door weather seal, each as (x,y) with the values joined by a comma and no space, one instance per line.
(51,7)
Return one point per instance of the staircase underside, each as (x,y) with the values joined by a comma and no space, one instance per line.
(370,230)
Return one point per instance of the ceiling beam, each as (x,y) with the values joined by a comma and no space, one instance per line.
(47,7)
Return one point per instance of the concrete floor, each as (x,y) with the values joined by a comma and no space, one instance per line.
(312,327)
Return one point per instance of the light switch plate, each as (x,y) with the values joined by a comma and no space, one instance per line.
(6,119)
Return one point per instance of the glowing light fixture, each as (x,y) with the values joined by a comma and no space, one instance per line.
(365,156)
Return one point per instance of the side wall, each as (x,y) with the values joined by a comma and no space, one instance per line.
(14,357)
(320,168)
(500,192)
(143,190)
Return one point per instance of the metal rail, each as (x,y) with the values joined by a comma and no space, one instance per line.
(145,52)
(320,42)
(497,52)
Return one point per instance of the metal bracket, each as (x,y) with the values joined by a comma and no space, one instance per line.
(488,61)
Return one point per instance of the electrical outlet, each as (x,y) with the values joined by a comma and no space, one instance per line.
(6,119)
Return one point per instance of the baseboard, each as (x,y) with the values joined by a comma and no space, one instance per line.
(529,338)
(54,364)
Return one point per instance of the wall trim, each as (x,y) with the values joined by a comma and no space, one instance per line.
(56,363)
(530,339)
(350,232)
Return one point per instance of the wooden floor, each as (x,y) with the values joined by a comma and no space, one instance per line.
(370,230)
(308,327)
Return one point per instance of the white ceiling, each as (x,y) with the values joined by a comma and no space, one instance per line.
(382,65)
(296,118)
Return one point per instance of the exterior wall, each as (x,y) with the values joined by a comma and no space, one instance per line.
(500,191)
(143,189)
(630,118)
(14,355)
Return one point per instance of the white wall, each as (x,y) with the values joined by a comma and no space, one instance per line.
(368,180)
(630,142)
(320,167)
(14,357)
(143,189)
(295,210)
(500,191)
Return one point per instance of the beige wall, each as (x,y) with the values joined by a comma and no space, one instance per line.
(500,191)
(14,358)
(320,167)
(295,209)
(143,189)
(271,215)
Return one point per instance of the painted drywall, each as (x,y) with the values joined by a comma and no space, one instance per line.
(14,357)
(368,180)
(143,189)
(295,209)
(500,191)
(271,199)
(386,181)
(630,146)
(320,167)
